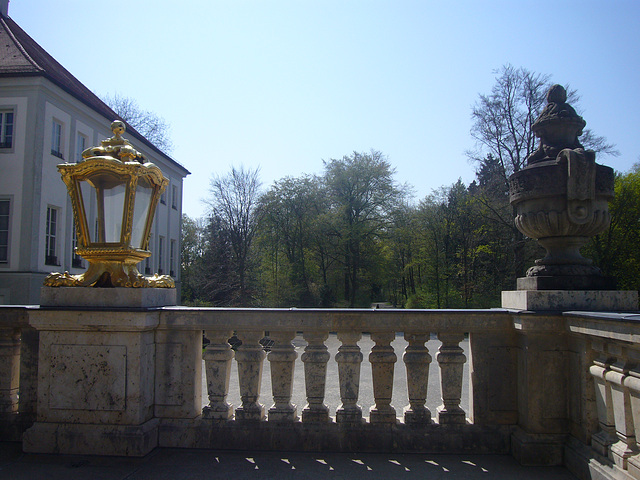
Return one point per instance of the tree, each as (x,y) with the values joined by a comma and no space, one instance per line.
(362,193)
(153,127)
(234,204)
(617,250)
(290,211)
(192,247)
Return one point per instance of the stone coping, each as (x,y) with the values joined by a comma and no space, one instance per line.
(107,297)
(335,320)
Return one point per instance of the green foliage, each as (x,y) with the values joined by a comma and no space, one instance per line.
(617,250)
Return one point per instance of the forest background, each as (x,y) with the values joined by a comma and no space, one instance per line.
(352,235)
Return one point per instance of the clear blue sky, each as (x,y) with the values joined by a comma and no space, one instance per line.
(285,84)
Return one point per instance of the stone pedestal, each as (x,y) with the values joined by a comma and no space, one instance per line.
(96,372)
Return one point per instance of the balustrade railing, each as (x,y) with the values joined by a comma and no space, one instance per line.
(313,328)
(615,371)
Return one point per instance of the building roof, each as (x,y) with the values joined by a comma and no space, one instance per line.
(21,56)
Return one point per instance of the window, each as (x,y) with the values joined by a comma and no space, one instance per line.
(76,260)
(81,145)
(174,197)
(50,237)
(172,258)
(147,266)
(160,255)
(6,128)
(163,198)
(56,140)
(5,208)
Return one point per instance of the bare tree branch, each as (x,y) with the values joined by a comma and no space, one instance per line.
(153,127)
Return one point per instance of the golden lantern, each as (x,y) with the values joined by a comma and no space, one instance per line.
(125,192)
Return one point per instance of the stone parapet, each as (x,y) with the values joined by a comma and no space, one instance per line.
(118,381)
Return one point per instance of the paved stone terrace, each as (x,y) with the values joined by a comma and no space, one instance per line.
(176,464)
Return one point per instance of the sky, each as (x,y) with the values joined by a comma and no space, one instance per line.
(283,85)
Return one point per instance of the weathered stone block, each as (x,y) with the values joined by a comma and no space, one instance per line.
(566,300)
(107,297)
(90,377)
(117,440)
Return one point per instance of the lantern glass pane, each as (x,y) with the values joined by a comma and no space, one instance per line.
(88,195)
(113,211)
(144,193)
(110,191)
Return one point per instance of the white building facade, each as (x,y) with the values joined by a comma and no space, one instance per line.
(48,117)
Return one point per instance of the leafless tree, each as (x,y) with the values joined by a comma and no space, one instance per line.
(153,127)
(234,200)
(503,120)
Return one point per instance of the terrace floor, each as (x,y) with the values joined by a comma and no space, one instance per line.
(176,464)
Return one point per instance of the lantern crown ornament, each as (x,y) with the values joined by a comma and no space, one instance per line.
(116,191)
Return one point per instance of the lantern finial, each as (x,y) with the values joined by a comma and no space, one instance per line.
(116,146)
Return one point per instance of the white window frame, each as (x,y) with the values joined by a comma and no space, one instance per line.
(4,126)
(172,258)
(51,236)
(174,197)
(81,145)
(160,254)
(57,138)
(5,261)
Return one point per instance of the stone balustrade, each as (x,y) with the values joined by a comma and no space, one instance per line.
(350,326)
(547,387)
(615,371)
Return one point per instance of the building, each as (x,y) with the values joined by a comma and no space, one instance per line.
(48,117)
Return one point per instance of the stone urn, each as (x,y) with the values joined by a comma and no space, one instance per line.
(561,199)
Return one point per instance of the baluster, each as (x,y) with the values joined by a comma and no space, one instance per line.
(217,360)
(625,431)
(416,360)
(250,356)
(602,440)
(282,360)
(9,371)
(382,359)
(349,359)
(632,382)
(451,359)
(315,358)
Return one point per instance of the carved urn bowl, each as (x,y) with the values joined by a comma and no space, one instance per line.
(562,203)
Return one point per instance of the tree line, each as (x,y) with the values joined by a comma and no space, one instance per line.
(352,235)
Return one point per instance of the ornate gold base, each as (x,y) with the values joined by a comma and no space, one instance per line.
(109,274)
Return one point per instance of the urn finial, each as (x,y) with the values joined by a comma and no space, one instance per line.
(558,127)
